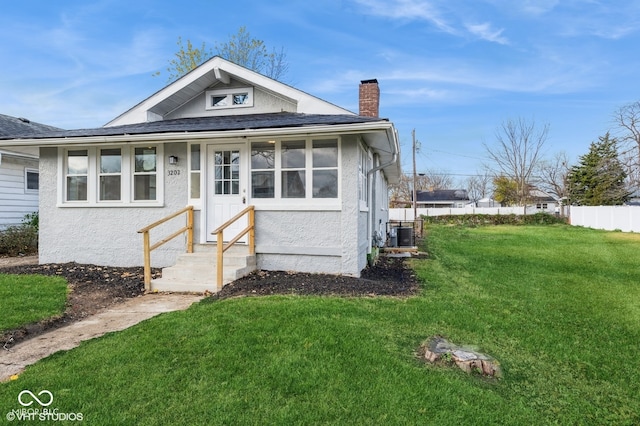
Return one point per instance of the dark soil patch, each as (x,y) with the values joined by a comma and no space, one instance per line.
(93,288)
(388,277)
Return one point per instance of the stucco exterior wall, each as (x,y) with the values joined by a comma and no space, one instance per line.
(108,235)
(322,241)
(352,251)
(305,241)
(311,239)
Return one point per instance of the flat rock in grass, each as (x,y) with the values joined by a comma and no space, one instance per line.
(439,350)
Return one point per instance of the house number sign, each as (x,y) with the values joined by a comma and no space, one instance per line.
(173,172)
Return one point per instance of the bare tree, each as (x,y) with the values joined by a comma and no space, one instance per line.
(400,194)
(517,152)
(627,119)
(552,175)
(240,49)
(479,186)
(436,179)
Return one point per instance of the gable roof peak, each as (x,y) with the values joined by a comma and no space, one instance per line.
(214,71)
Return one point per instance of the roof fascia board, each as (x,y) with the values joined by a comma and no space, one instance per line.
(380,126)
(17,154)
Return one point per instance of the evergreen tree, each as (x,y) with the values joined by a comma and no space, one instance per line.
(599,177)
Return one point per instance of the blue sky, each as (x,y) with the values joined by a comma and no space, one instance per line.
(451,70)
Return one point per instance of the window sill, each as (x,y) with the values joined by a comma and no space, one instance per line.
(108,205)
(297,207)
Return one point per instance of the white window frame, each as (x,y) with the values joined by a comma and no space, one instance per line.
(228,95)
(365,163)
(309,201)
(100,174)
(126,180)
(28,190)
(196,202)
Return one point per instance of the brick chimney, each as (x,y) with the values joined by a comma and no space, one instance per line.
(369,98)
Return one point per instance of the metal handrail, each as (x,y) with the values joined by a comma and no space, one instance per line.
(221,248)
(148,247)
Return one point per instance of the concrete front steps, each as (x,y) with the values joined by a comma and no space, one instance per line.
(197,272)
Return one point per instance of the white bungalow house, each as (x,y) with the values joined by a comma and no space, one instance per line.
(18,171)
(220,139)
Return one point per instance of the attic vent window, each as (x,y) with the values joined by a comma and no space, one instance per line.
(229,98)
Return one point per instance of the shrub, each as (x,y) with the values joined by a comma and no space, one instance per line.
(504,219)
(19,240)
(32,219)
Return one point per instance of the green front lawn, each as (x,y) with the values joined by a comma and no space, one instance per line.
(558,306)
(26,299)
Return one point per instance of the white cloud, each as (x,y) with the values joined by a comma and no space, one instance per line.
(408,10)
(485,32)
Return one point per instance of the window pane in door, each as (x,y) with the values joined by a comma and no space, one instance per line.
(227,173)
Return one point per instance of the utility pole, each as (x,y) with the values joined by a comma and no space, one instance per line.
(413,136)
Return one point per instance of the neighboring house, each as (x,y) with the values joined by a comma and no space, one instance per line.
(221,138)
(18,171)
(541,201)
(446,198)
(487,202)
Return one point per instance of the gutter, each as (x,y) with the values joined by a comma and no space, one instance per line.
(371,189)
(192,136)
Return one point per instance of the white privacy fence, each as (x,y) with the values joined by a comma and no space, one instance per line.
(610,218)
(407,214)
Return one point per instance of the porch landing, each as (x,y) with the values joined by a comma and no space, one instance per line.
(196,272)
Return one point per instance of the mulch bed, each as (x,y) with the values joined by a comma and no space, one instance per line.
(388,277)
(94,288)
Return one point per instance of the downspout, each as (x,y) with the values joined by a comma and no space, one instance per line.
(371,190)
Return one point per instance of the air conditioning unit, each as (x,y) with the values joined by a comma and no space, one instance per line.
(405,237)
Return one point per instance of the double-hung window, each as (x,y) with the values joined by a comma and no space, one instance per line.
(112,175)
(77,174)
(302,169)
(263,156)
(325,168)
(144,174)
(31,180)
(293,169)
(364,165)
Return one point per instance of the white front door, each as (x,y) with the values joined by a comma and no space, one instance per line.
(226,189)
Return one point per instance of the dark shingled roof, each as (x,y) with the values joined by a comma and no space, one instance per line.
(442,195)
(217,123)
(13,127)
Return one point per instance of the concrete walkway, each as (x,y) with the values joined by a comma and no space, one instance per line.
(115,318)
